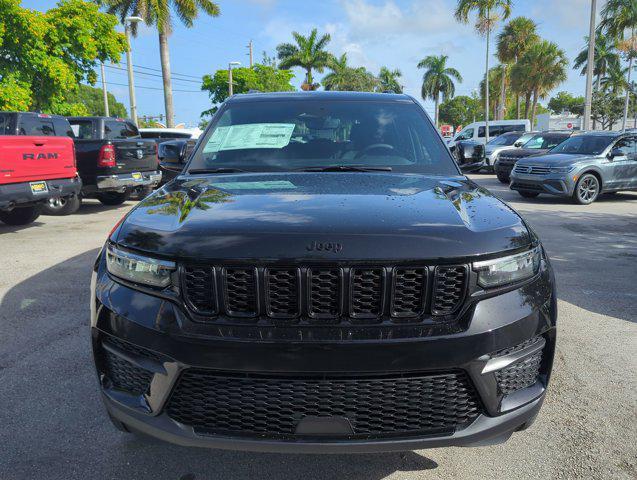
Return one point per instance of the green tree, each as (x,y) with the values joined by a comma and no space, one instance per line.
(606,108)
(263,78)
(606,57)
(538,71)
(497,77)
(438,80)
(44,56)
(488,12)
(158,13)
(565,102)
(389,80)
(345,78)
(619,21)
(513,41)
(309,53)
(614,81)
(339,73)
(460,110)
(93,100)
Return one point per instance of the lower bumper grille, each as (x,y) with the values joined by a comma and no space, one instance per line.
(521,374)
(258,405)
(527,186)
(125,375)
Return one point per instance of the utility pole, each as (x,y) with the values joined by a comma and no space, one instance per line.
(129,65)
(230,65)
(250,54)
(486,81)
(106,111)
(588,101)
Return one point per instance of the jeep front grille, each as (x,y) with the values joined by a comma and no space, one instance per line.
(325,294)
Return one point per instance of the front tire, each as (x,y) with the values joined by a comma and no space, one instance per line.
(586,190)
(21,215)
(113,198)
(503,178)
(60,206)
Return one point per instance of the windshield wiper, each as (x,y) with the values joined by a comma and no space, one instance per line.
(345,168)
(215,170)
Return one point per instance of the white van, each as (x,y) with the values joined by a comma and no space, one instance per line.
(476,131)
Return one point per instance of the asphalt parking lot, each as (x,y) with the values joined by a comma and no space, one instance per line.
(53,425)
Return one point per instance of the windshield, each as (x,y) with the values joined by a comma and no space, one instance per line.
(505,140)
(584,145)
(297,134)
(544,141)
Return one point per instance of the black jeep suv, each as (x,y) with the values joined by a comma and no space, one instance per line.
(322,278)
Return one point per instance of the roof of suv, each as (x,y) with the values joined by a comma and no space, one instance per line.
(358,96)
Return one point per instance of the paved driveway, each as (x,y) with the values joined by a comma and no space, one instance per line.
(53,426)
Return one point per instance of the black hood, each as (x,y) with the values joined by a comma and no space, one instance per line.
(279,216)
(523,152)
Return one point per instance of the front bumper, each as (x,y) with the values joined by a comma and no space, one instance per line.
(175,345)
(553,183)
(21,194)
(126,180)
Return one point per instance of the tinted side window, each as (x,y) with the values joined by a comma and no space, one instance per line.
(551,142)
(512,128)
(32,125)
(493,131)
(83,129)
(626,146)
(114,130)
(62,128)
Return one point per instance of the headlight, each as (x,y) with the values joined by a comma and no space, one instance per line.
(561,169)
(138,269)
(494,273)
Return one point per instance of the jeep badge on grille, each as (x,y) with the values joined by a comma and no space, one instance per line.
(324,247)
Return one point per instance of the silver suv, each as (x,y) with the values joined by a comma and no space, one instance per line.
(582,167)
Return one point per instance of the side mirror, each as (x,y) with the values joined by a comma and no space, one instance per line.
(616,153)
(172,152)
(517,144)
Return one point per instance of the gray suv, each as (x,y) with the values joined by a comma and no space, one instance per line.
(582,167)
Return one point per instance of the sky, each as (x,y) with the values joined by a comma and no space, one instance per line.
(373,33)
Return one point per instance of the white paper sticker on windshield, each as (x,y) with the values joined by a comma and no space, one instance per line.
(253,135)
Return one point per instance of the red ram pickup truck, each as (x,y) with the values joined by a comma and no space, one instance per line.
(34,169)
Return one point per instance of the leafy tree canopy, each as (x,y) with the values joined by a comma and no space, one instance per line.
(93,101)
(565,102)
(461,110)
(44,56)
(263,78)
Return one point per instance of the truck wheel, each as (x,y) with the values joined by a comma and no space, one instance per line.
(113,198)
(586,190)
(528,193)
(21,215)
(503,178)
(59,206)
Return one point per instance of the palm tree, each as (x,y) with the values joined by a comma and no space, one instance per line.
(540,70)
(438,79)
(339,73)
(615,80)
(513,41)
(606,57)
(158,13)
(497,75)
(487,16)
(309,53)
(619,19)
(389,80)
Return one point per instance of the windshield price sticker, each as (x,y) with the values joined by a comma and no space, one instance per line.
(253,135)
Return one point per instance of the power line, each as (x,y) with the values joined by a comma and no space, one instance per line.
(156,88)
(154,74)
(172,73)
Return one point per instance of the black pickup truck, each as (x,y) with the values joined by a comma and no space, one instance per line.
(113,159)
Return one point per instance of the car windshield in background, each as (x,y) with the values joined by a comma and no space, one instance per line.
(545,142)
(585,145)
(299,134)
(505,140)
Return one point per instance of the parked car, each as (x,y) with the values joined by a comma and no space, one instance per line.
(538,144)
(113,160)
(504,142)
(469,155)
(173,155)
(163,134)
(33,170)
(476,131)
(582,167)
(322,278)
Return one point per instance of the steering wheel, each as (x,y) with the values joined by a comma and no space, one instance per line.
(373,146)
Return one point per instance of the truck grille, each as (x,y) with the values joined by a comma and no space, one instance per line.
(260,405)
(325,295)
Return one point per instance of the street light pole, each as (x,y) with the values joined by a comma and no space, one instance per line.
(230,65)
(588,102)
(106,111)
(129,65)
